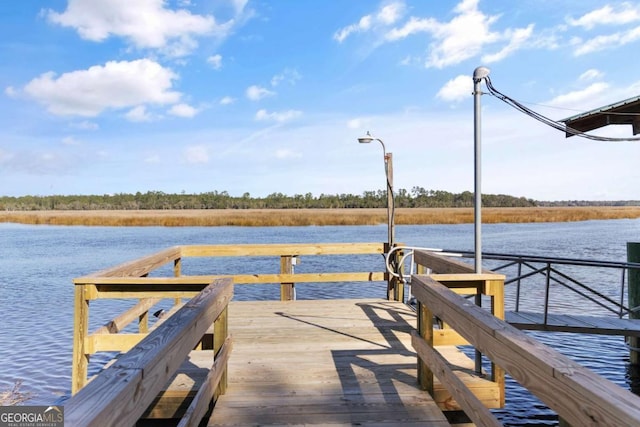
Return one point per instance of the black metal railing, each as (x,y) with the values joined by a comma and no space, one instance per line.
(528,266)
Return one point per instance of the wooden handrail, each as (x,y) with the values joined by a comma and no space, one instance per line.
(442,264)
(143,266)
(200,403)
(471,405)
(280,249)
(130,385)
(132,280)
(119,323)
(356,276)
(578,395)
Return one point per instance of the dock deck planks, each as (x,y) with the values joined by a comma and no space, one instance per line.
(329,362)
(574,323)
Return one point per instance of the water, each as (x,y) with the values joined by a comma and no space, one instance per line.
(38,263)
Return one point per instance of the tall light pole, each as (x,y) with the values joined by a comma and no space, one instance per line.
(479,75)
(388,171)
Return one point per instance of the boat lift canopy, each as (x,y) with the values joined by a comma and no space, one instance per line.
(625,112)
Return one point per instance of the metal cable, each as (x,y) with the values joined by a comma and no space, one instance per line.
(549,122)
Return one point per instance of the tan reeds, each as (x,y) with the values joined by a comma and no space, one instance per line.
(14,396)
(302,217)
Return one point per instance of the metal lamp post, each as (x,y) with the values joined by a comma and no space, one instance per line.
(388,171)
(479,74)
(395,288)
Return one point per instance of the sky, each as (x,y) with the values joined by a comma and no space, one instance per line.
(263,97)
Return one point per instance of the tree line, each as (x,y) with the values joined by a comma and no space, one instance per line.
(418,197)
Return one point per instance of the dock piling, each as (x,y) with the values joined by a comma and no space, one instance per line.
(633,255)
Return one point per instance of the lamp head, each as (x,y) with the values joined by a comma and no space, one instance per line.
(480,73)
(366,139)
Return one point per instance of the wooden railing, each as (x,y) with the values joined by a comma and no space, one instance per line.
(461,279)
(132,382)
(154,352)
(131,280)
(578,395)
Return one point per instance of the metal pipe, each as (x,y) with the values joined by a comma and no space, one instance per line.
(479,75)
(518,287)
(546,295)
(624,273)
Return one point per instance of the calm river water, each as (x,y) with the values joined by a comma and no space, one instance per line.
(38,263)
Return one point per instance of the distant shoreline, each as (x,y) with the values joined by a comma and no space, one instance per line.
(304,217)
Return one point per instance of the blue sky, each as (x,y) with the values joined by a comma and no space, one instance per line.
(115,96)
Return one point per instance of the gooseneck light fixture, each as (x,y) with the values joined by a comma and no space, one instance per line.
(388,171)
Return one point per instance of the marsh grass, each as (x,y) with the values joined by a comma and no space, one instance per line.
(14,396)
(302,217)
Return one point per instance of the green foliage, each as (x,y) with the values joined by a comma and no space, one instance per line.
(418,197)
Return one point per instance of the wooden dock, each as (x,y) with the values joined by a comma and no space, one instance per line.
(326,362)
(573,323)
(216,362)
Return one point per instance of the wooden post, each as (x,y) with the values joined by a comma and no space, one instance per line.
(495,288)
(390,279)
(425,329)
(143,322)
(286,289)
(220,332)
(177,272)
(395,286)
(388,160)
(633,255)
(79,367)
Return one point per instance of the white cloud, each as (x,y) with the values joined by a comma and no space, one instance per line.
(456,89)
(606,15)
(183,110)
(112,86)
(387,15)
(138,114)
(280,117)
(413,26)
(11,92)
(145,23)
(227,100)
(215,61)
(580,97)
(517,38)
(256,93)
(463,37)
(390,13)
(363,25)
(290,76)
(455,41)
(606,41)
(197,154)
(591,74)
